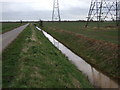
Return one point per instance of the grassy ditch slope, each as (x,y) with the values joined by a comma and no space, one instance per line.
(9,26)
(31,61)
(98,47)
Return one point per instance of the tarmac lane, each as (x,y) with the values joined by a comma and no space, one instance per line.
(8,37)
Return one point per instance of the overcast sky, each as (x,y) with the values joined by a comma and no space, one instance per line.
(42,9)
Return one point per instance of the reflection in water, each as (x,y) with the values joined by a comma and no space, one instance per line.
(95,77)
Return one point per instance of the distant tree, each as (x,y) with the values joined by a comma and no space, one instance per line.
(41,23)
(21,21)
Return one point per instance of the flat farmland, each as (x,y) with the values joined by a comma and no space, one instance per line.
(31,61)
(97,46)
(107,31)
(9,26)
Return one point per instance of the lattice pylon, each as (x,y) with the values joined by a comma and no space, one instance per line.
(102,10)
(118,11)
(56,11)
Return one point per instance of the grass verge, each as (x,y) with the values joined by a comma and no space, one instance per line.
(9,26)
(99,53)
(10,57)
(31,61)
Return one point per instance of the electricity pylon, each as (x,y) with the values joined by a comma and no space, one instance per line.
(102,10)
(56,11)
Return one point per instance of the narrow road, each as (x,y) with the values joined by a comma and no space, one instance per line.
(8,37)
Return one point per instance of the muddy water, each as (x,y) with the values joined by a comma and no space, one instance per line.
(97,78)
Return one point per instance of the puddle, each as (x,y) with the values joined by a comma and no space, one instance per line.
(97,78)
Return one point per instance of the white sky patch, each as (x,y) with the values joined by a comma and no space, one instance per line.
(34,9)
(42,5)
(21,0)
(48,4)
(75,3)
(42,0)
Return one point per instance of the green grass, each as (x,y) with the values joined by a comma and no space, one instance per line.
(0,58)
(9,26)
(0,70)
(107,32)
(31,61)
(91,45)
(10,57)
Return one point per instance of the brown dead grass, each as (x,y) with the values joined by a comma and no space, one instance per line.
(104,52)
(91,40)
(35,73)
(75,82)
(97,45)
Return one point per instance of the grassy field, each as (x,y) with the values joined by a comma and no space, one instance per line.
(107,31)
(97,46)
(31,61)
(9,26)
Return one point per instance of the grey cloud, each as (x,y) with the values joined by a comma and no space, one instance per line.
(30,15)
(23,11)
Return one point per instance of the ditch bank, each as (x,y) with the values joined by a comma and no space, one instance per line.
(97,78)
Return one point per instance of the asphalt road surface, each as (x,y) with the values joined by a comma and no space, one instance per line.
(8,37)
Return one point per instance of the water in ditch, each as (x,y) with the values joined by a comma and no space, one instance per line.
(97,78)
